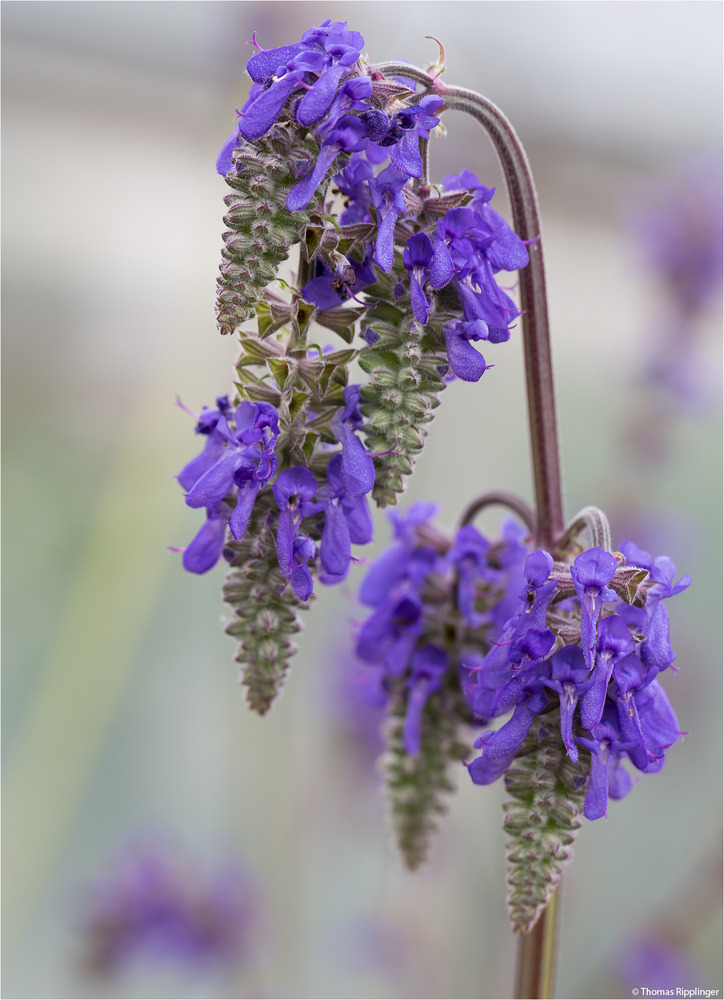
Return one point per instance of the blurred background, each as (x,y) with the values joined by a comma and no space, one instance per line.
(125,734)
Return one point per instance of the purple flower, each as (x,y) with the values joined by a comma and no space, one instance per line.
(405,130)
(347,135)
(352,182)
(464,360)
(499,749)
(469,554)
(247,461)
(386,195)
(604,678)
(207,546)
(569,678)
(324,55)
(357,467)
(392,587)
(293,492)
(390,634)
(662,964)
(207,422)
(155,908)
(608,777)
(429,664)
(591,572)
(680,233)
(347,519)
(238,461)
(423,258)
(343,49)
(614,641)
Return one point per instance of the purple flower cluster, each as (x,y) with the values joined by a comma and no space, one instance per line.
(468,247)
(228,474)
(340,104)
(239,459)
(586,640)
(594,636)
(409,585)
(378,125)
(152,908)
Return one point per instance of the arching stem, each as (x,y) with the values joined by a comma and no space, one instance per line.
(537,949)
(504,499)
(536,335)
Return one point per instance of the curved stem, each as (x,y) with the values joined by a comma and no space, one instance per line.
(536,336)
(510,500)
(537,949)
(593,520)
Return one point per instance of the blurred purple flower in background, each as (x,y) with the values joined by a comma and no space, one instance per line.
(154,907)
(659,965)
(679,234)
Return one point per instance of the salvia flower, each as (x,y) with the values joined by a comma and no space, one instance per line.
(592,653)
(154,908)
(228,474)
(294,491)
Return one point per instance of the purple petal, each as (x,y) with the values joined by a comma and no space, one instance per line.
(595,567)
(261,114)
(205,550)
(264,64)
(406,154)
(320,292)
(441,266)
(302,192)
(335,549)
(197,467)
(359,520)
(358,469)
(464,360)
(385,244)
(596,800)
(223,160)
(214,484)
(244,506)
(418,301)
(317,101)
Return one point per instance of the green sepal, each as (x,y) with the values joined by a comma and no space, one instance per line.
(297,402)
(357,235)
(341,320)
(312,238)
(310,441)
(279,367)
(343,357)
(303,314)
(258,391)
(270,317)
(256,352)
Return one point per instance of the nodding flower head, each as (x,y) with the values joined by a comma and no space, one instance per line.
(589,655)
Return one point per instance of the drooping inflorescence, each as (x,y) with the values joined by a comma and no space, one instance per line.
(570,648)
(329,154)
